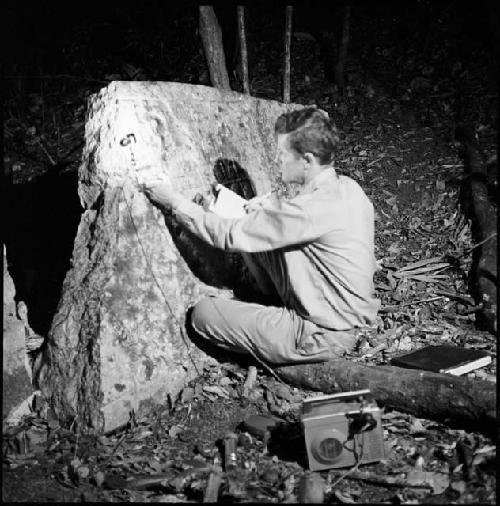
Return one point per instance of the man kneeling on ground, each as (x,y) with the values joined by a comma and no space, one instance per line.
(315,250)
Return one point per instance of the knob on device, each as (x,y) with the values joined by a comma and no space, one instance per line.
(327,446)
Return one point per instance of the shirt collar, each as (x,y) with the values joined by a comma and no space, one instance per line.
(319,180)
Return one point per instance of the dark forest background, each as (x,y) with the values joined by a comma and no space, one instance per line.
(159,40)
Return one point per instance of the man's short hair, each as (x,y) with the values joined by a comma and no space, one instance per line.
(311,131)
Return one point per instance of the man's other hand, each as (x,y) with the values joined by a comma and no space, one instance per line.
(162,194)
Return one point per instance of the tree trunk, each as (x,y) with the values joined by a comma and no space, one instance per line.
(243,48)
(482,211)
(450,399)
(344,43)
(286,62)
(211,37)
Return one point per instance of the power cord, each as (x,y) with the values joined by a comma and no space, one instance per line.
(357,462)
(127,141)
(360,424)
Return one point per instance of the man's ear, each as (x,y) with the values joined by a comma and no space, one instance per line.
(309,158)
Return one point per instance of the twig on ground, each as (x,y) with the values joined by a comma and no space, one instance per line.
(250,380)
(385,481)
(76,445)
(463,298)
(376,160)
(480,243)
(213,486)
(423,301)
(111,455)
(348,473)
(375,350)
(386,309)
(148,481)
(51,160)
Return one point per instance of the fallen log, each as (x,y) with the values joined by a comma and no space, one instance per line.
(456,401)
(482,211)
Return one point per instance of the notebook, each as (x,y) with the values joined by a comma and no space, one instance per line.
(228,204)
(444,359)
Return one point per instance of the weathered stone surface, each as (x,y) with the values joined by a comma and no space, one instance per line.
(16,383)
(115,343)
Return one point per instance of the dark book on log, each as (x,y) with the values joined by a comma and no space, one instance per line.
(444,359)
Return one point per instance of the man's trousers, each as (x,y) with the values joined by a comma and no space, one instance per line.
(276,335)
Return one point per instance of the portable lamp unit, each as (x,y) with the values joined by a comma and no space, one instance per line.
(342,429)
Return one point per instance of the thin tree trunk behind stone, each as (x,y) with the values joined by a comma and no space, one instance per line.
(286,66)
(211,37)
(344,43)
(243,48)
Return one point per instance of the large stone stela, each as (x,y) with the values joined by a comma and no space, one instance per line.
(115,345)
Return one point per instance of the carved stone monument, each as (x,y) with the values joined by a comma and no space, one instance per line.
(116,343)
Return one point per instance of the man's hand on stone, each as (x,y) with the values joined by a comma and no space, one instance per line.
(205,199)
(162,194)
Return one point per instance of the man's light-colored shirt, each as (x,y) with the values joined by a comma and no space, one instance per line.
(322,245)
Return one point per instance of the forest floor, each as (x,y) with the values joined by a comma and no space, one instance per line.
(398,114)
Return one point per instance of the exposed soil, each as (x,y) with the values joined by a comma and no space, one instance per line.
(408,83)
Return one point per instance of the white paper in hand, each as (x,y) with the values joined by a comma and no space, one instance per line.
(228,204)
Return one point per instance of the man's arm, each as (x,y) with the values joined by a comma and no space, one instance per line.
(163,194)
(271,227)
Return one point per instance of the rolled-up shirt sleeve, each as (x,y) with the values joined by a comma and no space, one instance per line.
(271,227)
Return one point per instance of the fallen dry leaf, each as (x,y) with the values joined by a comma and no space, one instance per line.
(214,389)
(438,481)
(175,430)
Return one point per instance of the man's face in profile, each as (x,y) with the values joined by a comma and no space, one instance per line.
(290,162)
